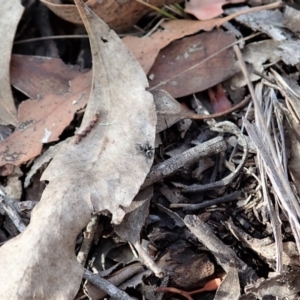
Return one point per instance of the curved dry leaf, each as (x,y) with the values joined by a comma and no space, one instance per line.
(103,172)
(43,121)
(10,15)
(36,76)
(119,15)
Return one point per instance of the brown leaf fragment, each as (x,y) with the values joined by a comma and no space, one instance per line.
(193,64)
(122,15)
(42,121)
(147,48)
(67,12)
(10,14)
(36,76)
(119,15)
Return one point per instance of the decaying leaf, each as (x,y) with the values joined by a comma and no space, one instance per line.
(193,64)
(42,121)
(101,172)
(36,76)
(10,14)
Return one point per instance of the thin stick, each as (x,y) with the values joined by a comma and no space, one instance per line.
(53,37)
(11,211)
(223,113)
(105,285)
(279,170)
(170,166)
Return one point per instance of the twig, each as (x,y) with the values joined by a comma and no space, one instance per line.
(223,127)
(174,290)
(191,207)
(170,166)
(148,261)
(11,211)
(288,196)
(105,285)
(88,237)
(223,254)
(223,113)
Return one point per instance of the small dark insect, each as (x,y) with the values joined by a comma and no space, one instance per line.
(147,149)
(79,136)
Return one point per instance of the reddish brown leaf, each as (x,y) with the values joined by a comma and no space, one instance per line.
(36,76)
(193,64)
(42,121)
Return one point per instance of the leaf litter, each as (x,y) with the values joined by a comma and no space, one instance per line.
(226,218)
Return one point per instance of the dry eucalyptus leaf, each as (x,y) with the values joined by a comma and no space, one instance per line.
(146,49)
(194,64)
(10,14)
(43,121)
(103,172)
